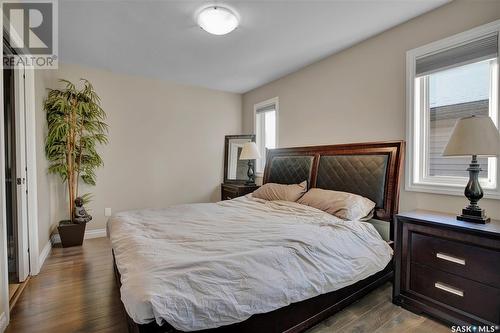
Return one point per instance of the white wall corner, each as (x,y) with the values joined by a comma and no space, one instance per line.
(31,144)
(89,234)
(43,255)
(3,322)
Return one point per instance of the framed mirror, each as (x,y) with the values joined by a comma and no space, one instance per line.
(235,170)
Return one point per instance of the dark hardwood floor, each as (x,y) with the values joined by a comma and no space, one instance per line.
(76,292)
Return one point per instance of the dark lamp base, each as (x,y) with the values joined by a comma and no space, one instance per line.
(473,192)
(249,182)
(474,216)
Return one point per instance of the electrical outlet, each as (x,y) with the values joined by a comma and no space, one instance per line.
(107,211)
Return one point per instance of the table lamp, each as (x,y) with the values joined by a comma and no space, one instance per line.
(250,152)
(473,136)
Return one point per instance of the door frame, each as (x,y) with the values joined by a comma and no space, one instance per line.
(31,173)
(28,261)
(3,213)
(29,238)
(23,262)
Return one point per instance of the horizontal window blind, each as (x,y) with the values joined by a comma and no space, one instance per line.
(473,51)
(267,108)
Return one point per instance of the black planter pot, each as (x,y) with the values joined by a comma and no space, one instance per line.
(71,233)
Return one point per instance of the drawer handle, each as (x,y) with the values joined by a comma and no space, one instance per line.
(447,257)
(449,289)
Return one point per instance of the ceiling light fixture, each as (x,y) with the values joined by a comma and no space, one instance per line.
(217,20)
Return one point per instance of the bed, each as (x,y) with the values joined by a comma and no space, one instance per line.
(247,265)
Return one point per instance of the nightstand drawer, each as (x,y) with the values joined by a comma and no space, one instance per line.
(228,194)
(460,293)
(457,258)
(231,191)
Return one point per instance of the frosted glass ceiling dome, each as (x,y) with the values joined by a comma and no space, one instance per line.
(217,20)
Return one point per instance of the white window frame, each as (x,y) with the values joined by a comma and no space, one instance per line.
(415,176)
(272,101)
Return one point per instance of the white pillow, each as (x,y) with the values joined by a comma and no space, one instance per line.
(347,206)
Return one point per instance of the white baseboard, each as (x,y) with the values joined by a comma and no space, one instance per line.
(95,233)
(89,234)
(44,254)
(3,322)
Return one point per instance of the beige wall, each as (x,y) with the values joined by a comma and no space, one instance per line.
(166,145)
(50,191)
(359,94)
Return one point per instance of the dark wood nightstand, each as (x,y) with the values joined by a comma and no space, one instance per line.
(447,268)
(231,191)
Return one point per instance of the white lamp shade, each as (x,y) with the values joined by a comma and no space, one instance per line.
(474,135)
(249,151)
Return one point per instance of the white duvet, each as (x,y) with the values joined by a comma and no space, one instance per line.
(201,266)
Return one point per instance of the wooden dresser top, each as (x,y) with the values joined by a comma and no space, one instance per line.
(450,220)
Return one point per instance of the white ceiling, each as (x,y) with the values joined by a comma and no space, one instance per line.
(160,39)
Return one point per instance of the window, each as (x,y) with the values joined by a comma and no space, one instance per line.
(266,125)
(447,80)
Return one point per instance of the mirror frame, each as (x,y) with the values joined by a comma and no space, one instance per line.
(226,154)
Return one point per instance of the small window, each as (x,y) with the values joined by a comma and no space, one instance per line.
(455,93)
(447,80)
(265,119)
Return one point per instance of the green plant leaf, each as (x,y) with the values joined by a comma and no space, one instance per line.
(76,126)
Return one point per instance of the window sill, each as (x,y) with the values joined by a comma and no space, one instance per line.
(449,190)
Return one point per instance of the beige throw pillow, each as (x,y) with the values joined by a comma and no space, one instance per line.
(347,206)
(273,191)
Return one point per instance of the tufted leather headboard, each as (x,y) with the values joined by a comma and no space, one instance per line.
(368,169)
(291,169)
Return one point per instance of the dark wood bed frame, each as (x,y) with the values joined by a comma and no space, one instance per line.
(300,316)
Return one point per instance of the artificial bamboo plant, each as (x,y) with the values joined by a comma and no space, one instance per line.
(76,125)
